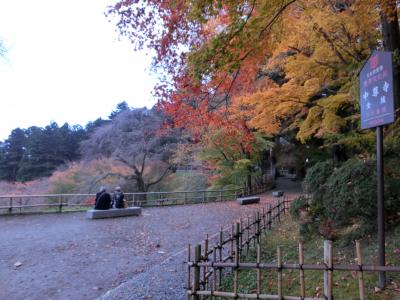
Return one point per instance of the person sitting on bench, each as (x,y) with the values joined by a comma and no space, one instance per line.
(103,200)
(118,198)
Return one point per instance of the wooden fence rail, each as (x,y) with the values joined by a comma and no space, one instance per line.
(206,268)
(10,204)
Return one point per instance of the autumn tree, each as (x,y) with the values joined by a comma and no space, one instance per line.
(135,138)
(293,64)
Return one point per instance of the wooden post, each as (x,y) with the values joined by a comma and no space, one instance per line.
(11,205)
(188,287)
(220,196)
(258,231)
(279,261)
(205,269)
(241,237)
(301,262)
(360,273)
(269,216)
(258,270)
(232,240)
(279,209)
(328,272)
(221,239)
(60,204)
(248,236)
(196,272)
(237,240)
(214,272)
(204,197)
(237,260)
(263,218)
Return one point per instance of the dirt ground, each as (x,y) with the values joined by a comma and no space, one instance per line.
(65,256)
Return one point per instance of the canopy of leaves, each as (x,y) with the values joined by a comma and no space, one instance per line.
(283,65)
(135,138)
(36,152)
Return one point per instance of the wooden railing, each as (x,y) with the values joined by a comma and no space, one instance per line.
(211,263)
(11,204)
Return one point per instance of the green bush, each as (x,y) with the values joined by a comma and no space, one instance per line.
(317,175)
(298,204)
(343,200)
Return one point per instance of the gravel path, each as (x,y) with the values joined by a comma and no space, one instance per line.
(68,257)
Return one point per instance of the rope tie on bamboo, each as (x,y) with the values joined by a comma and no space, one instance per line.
(327,268)
(301,267)
(360,268)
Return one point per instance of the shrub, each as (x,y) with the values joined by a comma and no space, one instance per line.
(317,175)
(299,204)
(343,200)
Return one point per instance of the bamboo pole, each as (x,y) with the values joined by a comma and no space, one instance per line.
(301,262)
(328,272)
(196,273)
(360,273)
(279,262)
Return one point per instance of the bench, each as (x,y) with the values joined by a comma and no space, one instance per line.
(248,200)
(113,213)
(277,194)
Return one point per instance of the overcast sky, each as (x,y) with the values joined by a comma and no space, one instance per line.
(65,64)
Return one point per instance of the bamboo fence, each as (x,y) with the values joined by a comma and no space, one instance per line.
(211,263)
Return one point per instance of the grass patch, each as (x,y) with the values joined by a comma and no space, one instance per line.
(286,235)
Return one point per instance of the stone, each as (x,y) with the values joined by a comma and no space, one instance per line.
(277,194)
(248,200)
(113,213)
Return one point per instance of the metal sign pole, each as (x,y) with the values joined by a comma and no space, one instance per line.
(380,205)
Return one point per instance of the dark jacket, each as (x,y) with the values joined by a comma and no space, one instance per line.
(118,199)
(103,201)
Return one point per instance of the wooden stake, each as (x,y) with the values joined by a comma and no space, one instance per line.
(279,262)
(360,273)
(221,239)
(196,272)
(237,260)
(214,282)
(188,287)
(301,262)
(248,236)
(269,216)
(258,270)
(328,273)
(205,269)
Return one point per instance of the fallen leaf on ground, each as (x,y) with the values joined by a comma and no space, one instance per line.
(18,264)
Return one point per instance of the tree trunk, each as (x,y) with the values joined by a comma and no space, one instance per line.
(391,39)
(248,181)
(141,188)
